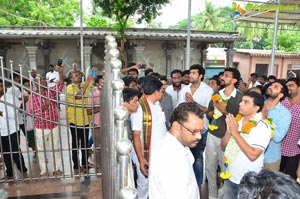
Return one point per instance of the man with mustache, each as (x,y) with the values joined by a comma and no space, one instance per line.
(197,91)
(171,168)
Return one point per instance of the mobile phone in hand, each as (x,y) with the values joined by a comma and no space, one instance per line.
(59,62)
(143,66)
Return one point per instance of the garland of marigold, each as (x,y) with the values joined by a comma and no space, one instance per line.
(246,130)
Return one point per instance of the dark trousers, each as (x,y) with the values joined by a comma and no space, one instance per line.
(80,136)
(289,165)
(17,156)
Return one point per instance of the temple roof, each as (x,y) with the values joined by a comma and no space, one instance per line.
(267,53)
(11,32)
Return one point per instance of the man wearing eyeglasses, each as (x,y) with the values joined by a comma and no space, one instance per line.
(171,172)
(214,155)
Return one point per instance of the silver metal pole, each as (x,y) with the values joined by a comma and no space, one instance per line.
(188,40)
(274,38)
(81,40)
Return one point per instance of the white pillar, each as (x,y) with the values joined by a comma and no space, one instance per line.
(87,56)
(31,51)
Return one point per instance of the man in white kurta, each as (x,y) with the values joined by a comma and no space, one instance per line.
(171,174)
(152,95)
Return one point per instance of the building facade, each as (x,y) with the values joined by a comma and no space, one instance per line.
(37,47)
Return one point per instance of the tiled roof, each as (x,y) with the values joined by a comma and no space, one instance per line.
(267,53)
(100,33)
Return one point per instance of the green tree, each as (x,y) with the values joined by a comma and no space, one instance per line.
(121,11)
(39,12)
(288,41)
(218,19)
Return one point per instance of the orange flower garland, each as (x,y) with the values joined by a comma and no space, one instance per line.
(252,123)
(217,113)
(245,130)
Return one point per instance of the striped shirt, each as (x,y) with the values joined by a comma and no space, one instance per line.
(290,145)
(48,118)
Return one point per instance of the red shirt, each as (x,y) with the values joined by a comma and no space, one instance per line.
(47,119)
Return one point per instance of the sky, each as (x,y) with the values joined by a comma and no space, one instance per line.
(176,10)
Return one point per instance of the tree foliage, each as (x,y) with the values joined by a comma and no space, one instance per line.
(257,35)
(212,19)
(39,12)
(121,11)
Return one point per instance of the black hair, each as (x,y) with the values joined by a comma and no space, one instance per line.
(151,84)
(294,79)
(258,99)
(148,71)
(235,75)
(271,77)
(50,65)
(176,71)
(268,184)
(155,74)
(15,74)
(25,80)
(284,90)
(254,75)
(201,70)
(98,78)
(264,77)
(163,78)
(216,78)
(185,72)
(128,79)
(129,94)
(181,112)
(133,69)
(248,186)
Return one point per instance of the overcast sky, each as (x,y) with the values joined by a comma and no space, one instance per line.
(176,10)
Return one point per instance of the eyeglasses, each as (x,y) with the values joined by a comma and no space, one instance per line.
(193,132)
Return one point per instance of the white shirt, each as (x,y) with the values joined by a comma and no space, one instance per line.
(158,124)
(202,96)
(258,137)
(52,75)
(174,93)
(171,174)
(15,91)
(254,85)
(9,113)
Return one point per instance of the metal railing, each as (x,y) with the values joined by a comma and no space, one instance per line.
(24,152)
(117,178)
(116,165)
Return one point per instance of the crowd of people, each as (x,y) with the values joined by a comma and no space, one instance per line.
(236,127)
(184,132)
(31,105)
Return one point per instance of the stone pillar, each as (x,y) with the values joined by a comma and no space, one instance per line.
(229,54)
(168,47)
(47,58)
(31,51)
(138,55)
(203,54)
(87,50)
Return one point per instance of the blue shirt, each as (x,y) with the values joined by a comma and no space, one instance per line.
(281,117)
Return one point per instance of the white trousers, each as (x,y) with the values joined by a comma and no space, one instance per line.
(45,137)
(142,181)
